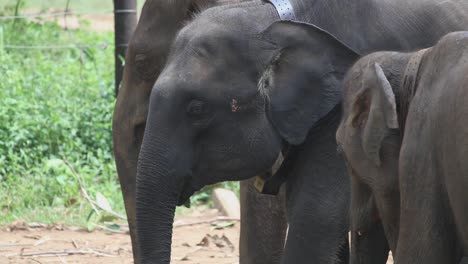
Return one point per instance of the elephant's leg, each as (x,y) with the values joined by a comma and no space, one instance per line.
(425,235)
(127,184)
(318,221)
(263,226)
(427,230)
(425,244)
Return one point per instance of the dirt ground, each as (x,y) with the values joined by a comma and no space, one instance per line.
(197,240)
(98,23)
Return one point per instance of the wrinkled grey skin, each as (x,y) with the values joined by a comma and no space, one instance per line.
(416,177)
(295,106)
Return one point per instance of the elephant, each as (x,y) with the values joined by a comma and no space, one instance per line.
(263,226)
(245,88)
(403,140)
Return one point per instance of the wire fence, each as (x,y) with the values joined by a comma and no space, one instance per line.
(65,14)
(68,13)
(56,14)
(54,47)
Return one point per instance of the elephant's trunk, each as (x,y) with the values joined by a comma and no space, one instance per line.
(162,171)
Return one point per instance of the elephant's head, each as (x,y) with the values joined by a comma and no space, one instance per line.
(369,137)
(237,86)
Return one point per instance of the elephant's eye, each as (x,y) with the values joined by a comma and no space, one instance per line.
(197,108)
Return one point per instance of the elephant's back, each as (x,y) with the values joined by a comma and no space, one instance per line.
(391,25)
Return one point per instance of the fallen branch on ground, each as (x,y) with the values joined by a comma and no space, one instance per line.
(111,230)
(66,252)
(209,221)
(83,191)
(16,245)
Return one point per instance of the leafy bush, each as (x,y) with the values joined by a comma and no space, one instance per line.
(55,117)
(55,123)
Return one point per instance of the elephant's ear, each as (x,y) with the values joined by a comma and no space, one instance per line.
(302,83)
(374,111)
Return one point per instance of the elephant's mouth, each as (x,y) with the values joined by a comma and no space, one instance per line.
(188,189)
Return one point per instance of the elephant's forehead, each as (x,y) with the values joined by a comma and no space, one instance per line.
(215,55)
(206,82)
(208,38)
(218,62)
(204,79)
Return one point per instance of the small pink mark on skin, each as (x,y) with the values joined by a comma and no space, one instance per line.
(235,106)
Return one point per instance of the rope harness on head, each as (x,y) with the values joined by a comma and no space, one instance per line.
(409,86)
(270,183)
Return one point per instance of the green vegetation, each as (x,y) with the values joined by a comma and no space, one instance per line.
(55,123)
(55,112)
(76,5)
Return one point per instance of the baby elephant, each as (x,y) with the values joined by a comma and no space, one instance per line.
(404,135)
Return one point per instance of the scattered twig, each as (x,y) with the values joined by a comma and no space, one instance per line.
(61,259)
(110,230)
(109,212)
(102,253)
(213,220)
(40,242)
(74,243)
(83,191)
(16,245)
(65,252)
(80,182)
(187,256)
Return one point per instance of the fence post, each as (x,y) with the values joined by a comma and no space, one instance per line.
(125,18)
(1,41)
